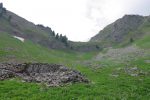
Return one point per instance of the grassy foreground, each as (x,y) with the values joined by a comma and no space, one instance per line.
(103,85)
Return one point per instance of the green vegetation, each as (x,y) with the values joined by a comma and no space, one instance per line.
(1,9)
(103,85)
(15,50)
(108,77)
(62,38)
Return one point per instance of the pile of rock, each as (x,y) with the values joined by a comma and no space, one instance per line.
(50,74)
(123,55)
(131,71)
(135,71)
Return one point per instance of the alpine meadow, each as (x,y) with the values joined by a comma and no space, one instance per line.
(37,63)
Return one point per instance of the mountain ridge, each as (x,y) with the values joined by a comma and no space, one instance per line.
(39,34)
(118,31)
(122,32)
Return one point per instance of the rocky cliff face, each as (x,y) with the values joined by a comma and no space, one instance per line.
(120,30)
(50,74)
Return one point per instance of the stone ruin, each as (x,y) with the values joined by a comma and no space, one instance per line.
(50,74)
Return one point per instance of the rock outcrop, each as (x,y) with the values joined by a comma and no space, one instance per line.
(50,74)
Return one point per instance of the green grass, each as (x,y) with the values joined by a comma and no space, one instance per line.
(144,42)
(103,86)
(28,51)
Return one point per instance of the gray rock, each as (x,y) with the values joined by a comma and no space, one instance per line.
(50,74)
(4,74)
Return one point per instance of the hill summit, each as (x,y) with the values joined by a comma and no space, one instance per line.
(123,30)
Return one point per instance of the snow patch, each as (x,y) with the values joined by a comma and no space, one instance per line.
(19,38)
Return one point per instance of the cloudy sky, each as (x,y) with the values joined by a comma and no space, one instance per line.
(78,19)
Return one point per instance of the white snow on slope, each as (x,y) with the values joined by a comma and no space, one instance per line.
(19,38)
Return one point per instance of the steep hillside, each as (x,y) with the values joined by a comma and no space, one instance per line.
(123,31)
(15,50)
(17,26)
(38,34)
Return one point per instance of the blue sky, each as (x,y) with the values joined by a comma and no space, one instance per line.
(78,19)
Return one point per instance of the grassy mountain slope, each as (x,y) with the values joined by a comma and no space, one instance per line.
(15,25)
(13,50)
(39,34)
(115,73)
(123,31)
(109,81)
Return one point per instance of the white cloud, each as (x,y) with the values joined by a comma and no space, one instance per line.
(78,19)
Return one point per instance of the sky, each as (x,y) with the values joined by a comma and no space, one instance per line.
(79,20)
